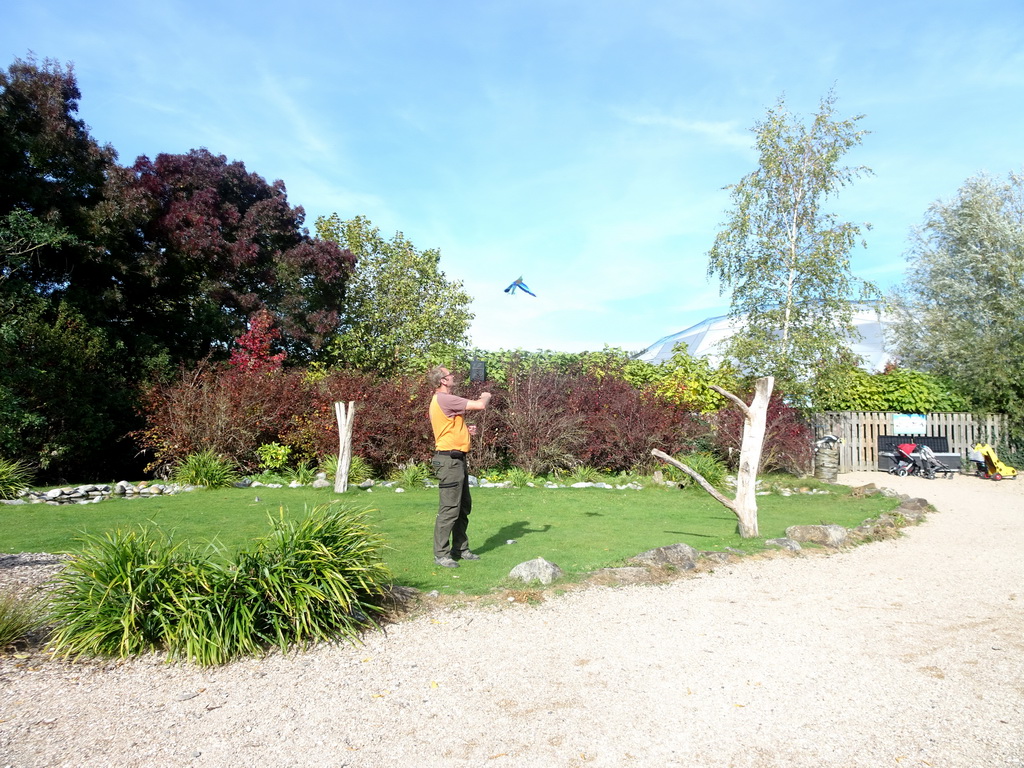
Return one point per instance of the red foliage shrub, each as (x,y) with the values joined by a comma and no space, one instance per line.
(235,411)
(533,424)
(788,442)
(391,425)
(546,420)
(212,407)
(252,348)
(542,421)
(622,424)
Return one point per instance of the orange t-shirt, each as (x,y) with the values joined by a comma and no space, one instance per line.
(447,414)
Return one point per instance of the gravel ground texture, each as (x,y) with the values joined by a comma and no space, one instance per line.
(904,652)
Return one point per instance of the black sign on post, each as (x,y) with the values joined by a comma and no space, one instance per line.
(478,371)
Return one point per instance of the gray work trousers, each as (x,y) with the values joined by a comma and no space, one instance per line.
(450,539)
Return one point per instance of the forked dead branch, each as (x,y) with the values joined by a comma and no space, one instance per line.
(755,417)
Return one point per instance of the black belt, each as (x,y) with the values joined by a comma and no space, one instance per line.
(453,454)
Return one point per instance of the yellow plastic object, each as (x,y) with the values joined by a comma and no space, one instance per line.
(994,468)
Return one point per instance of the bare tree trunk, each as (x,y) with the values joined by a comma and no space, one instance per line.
(754,424)
(755,421)
(346,418)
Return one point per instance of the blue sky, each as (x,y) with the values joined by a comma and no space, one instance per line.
(582,144)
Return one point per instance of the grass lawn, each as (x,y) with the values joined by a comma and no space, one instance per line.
(578,529)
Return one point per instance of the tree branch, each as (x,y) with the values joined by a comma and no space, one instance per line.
(698,478)
(730,396)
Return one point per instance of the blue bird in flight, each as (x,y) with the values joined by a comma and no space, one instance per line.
(518,283)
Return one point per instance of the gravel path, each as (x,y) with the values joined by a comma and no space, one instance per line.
(908,652)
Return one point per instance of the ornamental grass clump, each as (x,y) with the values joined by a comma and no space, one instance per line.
(206,468)
(709,466)
(15,477)
(19,616)
(121,595)
(586,474)
(359,469)
(412,475)
(302,473)
(519,478)
(317,579)
(321,578)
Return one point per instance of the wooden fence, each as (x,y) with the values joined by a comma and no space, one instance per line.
(859,431)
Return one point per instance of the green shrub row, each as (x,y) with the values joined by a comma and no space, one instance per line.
(126,593)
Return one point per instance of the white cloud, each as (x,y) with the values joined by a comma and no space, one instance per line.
(727,133)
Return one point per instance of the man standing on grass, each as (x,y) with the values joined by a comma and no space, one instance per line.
(451,444)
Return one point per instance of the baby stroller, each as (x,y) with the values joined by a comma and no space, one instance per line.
(902,463)
(913,459)
(988,464)
(928,464)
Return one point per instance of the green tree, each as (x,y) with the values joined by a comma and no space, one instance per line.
(110,274)
(400,313)
(52,174)
(961,307)
(64,393)
(21,235)
(784,258)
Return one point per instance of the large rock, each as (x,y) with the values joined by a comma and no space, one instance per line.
(865,490)
(536,570)
(681,556)
(833,536)
(918,505)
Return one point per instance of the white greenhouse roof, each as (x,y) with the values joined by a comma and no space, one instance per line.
(703,340)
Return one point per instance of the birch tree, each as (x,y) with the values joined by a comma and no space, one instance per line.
(785,259)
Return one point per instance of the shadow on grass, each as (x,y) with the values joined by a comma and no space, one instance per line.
(513,531)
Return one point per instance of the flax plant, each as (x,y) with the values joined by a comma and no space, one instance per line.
(120,595)
(321,578)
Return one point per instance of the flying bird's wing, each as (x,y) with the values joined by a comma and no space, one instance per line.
(523,286)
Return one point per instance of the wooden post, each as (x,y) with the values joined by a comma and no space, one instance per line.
(346,417)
